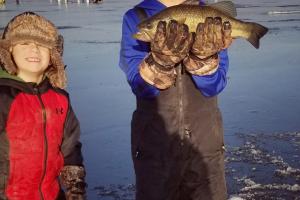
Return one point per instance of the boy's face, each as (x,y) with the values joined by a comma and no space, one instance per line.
(31,59)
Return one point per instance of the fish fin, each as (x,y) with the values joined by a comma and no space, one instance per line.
(191,2)
(227,7)
(257,32)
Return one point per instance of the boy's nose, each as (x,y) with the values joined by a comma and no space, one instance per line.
(34,46)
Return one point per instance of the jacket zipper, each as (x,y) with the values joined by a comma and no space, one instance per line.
(45,140)
(180,104)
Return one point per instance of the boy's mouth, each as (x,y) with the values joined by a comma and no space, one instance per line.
(33,59)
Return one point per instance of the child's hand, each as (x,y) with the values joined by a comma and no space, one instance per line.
(170,46)
(72,178)
(171,43)
(210,38)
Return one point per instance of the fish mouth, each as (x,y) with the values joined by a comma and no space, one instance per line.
(142,36)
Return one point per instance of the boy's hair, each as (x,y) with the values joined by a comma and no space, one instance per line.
(30,27)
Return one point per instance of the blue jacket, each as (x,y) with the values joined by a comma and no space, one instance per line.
(133,52)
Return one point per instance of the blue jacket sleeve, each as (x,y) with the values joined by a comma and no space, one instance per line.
(213,84)
(131,55)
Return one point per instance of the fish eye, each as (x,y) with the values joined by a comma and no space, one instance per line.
(149,25)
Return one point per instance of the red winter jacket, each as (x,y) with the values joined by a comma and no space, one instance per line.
(38,135)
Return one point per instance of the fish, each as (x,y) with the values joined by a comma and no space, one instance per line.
(191,14)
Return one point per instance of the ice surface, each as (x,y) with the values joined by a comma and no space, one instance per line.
(259,104)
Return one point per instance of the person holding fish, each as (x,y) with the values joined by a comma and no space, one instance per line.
(174,54)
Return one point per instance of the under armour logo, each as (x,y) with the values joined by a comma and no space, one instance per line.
(59,111)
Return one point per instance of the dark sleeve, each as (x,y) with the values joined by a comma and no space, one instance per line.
(71,147)
(7,95)
(6,99)
(3,114)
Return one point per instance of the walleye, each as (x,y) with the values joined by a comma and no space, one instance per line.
(192,14)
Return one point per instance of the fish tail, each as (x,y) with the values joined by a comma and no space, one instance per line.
(257,32)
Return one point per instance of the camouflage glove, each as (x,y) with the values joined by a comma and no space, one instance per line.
(170,46)
(72,179)
(211,37)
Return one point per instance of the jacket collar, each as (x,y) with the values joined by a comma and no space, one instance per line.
(4,74)
(7,79)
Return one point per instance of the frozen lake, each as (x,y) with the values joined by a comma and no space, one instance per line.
(260,104)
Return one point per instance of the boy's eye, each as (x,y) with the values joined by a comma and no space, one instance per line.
(24,43)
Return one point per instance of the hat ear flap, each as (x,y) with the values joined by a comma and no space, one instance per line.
(56,72)
(6,59)
(60,45)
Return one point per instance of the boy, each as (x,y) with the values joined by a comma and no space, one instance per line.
(176,129)
(39,131)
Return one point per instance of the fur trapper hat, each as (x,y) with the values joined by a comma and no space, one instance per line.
(30,27)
